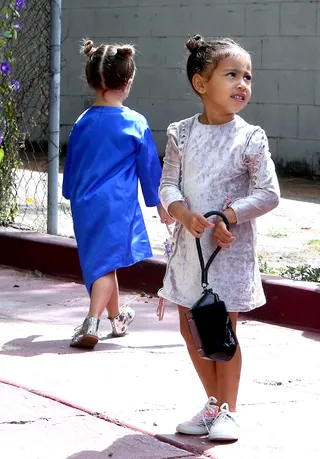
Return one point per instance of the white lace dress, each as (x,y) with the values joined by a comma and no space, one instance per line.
(211,168)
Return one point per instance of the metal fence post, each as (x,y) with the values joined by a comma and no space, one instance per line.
(54,117)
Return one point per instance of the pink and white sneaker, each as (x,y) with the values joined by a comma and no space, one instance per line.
(201,423)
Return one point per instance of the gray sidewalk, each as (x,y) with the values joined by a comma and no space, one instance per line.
(37,428)
(144,380)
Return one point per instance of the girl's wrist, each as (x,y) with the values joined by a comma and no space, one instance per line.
(179,211)
(231,215)
(182,215)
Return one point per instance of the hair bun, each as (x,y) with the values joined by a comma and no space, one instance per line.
(88,48)
(126,51)
(196,43)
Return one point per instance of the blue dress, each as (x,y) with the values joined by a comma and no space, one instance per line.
(109,149)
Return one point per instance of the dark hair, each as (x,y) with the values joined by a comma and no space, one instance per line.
(108,66)
(205,55)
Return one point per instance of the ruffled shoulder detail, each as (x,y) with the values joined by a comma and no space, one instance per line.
(180,131)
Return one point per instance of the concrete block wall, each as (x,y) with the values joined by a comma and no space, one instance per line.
(283,36)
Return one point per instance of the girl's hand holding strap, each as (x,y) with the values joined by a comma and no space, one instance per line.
(194,222)
(222,237)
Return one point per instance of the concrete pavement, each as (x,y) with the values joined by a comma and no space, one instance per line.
(37,428)
(140,385)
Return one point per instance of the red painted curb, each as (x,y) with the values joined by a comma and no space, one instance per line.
(103,417)
(289,303)
(58,256)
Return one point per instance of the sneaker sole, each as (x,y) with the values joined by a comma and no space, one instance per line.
(222,437)
(183,431)
(86,342)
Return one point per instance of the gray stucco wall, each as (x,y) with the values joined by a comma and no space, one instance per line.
(284,37)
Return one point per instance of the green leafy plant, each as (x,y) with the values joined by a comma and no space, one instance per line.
(301,272)
(276,234)
(10,137)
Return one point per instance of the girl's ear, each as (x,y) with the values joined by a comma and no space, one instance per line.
(198,84)
(129,84)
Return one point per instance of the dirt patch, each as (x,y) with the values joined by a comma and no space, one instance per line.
(290,235)
(300,189)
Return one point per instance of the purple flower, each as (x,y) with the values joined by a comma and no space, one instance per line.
(5,68)
(20,4)
(15,85)
(18,26)
(1,137)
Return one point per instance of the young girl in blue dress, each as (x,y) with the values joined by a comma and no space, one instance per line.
(110,148)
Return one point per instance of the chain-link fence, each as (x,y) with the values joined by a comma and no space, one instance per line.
(28,180)
(32,55)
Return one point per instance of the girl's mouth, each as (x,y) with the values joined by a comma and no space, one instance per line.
(239,97)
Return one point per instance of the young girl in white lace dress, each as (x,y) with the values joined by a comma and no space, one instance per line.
(216,161)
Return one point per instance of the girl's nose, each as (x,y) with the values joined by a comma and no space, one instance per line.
(242,85)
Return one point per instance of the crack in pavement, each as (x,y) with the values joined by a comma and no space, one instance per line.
(35,420)
(23,422)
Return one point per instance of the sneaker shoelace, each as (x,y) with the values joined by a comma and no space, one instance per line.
(128,301)
(126,304)
(208,408)
(224,414)
(78,329)
(124,309)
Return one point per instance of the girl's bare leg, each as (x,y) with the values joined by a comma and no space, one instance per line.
(105,294)
(219,379)
(113,303)
(206,369)
(228,374)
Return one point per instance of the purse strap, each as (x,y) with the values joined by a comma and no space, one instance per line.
(205,268)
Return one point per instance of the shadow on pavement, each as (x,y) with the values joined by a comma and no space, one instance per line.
(28,347)
(142,446)
(90,455)
(159,346)
(132,447)
(314,336)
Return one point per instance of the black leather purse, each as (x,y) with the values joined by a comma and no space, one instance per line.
(208,319)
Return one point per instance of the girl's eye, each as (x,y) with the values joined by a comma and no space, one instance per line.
(248,77)
(232,74)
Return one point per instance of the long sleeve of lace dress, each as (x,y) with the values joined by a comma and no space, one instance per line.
(264,192)
(170,185)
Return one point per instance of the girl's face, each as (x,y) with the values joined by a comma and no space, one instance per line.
(228,90)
